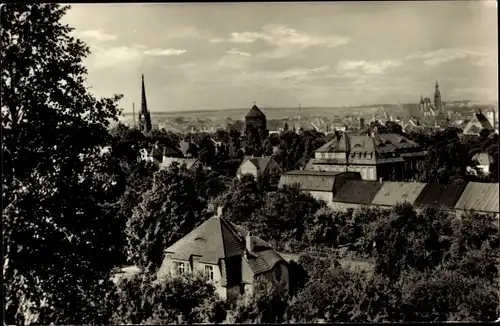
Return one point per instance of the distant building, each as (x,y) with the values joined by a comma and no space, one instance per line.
(375,156)
(320,185)
(144,116)
(426,107)
(228,255)
(476,124)
(257,119)
(259,167)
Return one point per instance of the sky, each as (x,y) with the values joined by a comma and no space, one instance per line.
(211,56)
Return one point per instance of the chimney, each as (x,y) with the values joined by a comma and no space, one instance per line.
(220,211)
(249,243)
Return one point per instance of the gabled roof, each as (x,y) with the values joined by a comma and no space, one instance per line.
(393,193)
(358,192)
(255,112)
(260,163)
(439,196)
(481,197)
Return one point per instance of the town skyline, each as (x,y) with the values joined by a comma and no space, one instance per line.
(221,56)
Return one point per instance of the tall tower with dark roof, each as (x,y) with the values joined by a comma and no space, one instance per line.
(256,118)
(437,99)
(144,115)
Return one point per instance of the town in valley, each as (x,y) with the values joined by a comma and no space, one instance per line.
(252,169)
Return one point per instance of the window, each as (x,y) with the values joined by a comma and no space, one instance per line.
(181,268)
(209,272)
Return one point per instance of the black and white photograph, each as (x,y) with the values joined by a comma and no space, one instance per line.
(250,162)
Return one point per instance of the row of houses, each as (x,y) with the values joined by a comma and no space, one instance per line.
(346,190)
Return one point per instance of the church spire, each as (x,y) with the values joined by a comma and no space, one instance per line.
(144,116)
(144,103)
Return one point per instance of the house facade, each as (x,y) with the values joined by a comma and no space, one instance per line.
(228,255)
(388,156)
(259,167)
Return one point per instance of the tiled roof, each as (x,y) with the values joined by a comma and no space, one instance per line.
(357,191)
(481,197)
(439,196)
(212,240)
(353,142)
(309,180)
(263,260)
(393,193)
(485,123)
(255,112)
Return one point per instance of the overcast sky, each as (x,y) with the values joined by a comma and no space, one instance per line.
(228,55)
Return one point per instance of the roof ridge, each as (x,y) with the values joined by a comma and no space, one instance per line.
(231,228)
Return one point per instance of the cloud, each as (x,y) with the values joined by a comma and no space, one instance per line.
(299,73)
(236,52)
(279,35)
(433,58)
(368,67)
(115,56)
(96,35)
(164,52)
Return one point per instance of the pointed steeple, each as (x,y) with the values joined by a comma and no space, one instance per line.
(144,116)
(144,103)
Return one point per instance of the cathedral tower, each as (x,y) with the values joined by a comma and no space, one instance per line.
(437,99)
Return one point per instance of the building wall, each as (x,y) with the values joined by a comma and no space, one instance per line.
(331,155)
(343,207)
(248,168)
(368,172)
(328,168)
(169,268)
(273,168)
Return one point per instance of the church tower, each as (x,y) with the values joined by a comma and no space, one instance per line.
(144,116)
(437,99)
